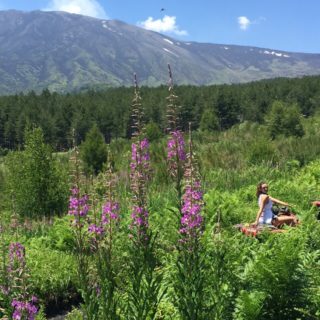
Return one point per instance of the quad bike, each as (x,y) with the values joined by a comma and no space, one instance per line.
(283,217)
(316,203)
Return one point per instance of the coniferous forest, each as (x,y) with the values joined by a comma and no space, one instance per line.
(122,204)
(211,108)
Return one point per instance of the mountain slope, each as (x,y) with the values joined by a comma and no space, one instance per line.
(63,51)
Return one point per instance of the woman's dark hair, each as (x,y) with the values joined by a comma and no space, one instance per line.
(259,189)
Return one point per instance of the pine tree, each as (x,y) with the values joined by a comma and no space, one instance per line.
(93,151)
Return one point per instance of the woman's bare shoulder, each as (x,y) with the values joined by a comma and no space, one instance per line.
(263,197)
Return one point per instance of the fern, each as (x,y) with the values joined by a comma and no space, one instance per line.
(249,305)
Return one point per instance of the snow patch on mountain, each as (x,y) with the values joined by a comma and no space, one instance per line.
(167,40)
(277,54)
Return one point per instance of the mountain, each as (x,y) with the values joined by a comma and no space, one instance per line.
(63,52)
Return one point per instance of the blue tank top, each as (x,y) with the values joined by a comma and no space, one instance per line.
(267,214)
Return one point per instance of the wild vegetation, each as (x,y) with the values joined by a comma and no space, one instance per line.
(144,228)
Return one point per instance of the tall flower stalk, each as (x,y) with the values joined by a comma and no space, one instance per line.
(16,299)
(79,209)
(192,200)
(173,109)
(144,293)
(176,155)
(95,226)
(190,269)
(139,173)
(105,260)
(139,177)
(23,304)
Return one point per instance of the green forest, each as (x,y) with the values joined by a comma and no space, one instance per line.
(122,204)
(210,108)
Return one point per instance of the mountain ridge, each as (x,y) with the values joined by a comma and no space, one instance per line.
(63,52)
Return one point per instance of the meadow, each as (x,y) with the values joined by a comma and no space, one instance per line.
(144,228)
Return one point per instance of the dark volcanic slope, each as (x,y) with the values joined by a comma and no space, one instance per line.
(63,51)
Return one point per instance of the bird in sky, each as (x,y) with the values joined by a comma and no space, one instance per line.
(162,9)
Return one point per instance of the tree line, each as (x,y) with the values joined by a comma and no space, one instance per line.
(280,102)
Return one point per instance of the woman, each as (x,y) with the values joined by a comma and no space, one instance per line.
(265,214)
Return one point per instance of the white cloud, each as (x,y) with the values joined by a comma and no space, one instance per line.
(86,7)
(244,22)
(167,24)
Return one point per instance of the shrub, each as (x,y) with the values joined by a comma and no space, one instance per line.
(284,119)
(36,183)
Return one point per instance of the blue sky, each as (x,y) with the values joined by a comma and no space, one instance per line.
(290,25)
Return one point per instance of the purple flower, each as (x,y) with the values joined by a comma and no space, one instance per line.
(144,144)
(139,218)
(176,146)
(16,256)
(22,308)
(140,156)
(139,222)
(140,167)
(16,315)
(110,212)
(192,220)
(78,205)
(98,230)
